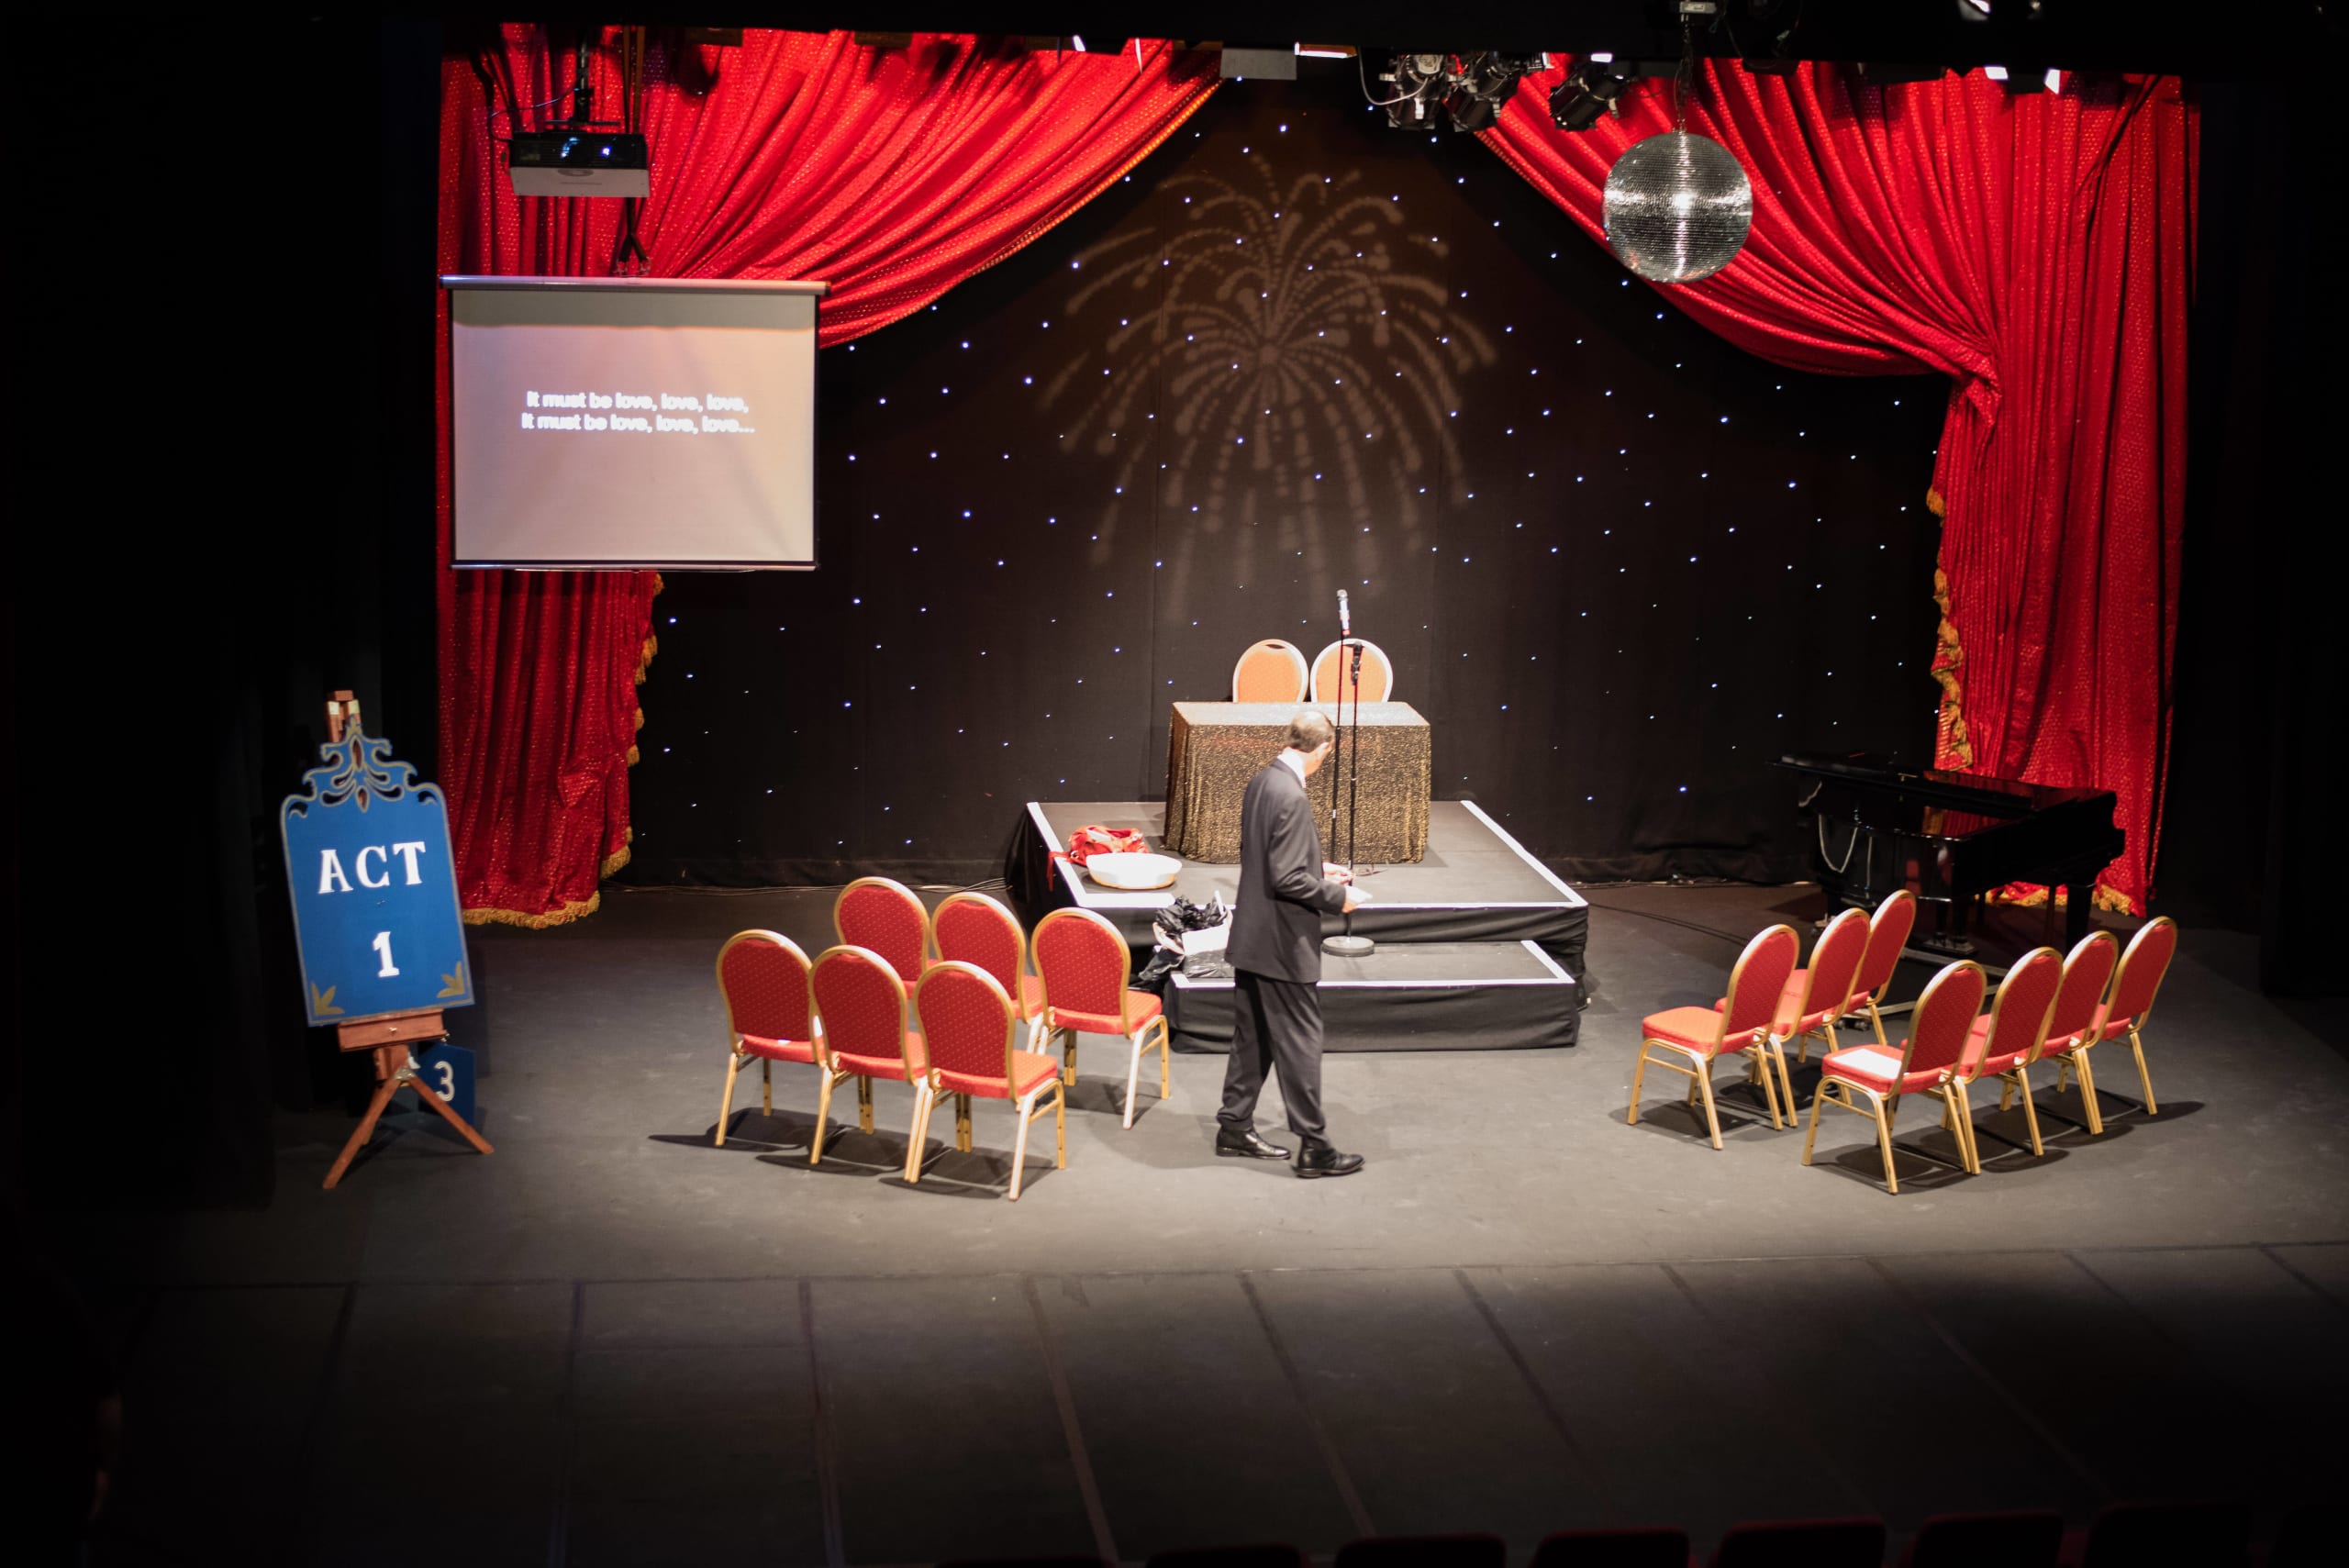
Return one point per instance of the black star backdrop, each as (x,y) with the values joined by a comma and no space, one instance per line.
(1619,564)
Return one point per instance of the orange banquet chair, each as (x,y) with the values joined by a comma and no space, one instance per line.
(1084,966)
(1817,994)
(2075,1022)
(884,917)
(1743,1027)
(1889,931)
(862,1000)
(2005,1040)
(1924,1064)
(769,1012)
(969,1029)
(970,927)
(1330,665)
(1271,671)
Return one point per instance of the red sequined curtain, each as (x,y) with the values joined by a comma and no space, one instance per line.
(891,175)
(2038,249)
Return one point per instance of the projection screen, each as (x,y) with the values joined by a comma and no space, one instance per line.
(625,422)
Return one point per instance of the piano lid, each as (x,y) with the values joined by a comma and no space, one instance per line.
(1871,774)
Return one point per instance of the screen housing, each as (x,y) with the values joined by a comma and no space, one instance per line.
(477,300)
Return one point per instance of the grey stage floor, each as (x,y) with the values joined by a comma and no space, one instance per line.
(612,1343)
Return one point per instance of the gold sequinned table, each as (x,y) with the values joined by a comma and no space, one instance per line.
(1214,748)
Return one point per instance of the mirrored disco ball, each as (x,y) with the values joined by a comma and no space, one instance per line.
(1677,207)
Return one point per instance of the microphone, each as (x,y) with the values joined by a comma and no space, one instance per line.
(1345,620)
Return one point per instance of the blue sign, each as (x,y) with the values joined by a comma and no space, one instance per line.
(446,1071)
(375,890)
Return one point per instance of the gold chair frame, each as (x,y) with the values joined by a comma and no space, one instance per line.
(835,1074)
(1868,997)
(2077,1059)
(736,1056)
(1027,964)
(1760,1050)
(930,1093)
(1826,1029)
(1885,1109)
(1133,1032)
(1338,692)
(1963,1080)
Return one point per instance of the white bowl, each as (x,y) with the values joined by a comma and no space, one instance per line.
(1133,873)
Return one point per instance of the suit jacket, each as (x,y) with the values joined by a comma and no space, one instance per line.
(1277,919)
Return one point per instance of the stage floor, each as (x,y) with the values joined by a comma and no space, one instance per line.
(604,1344)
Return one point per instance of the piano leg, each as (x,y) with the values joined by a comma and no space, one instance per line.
(2077,902)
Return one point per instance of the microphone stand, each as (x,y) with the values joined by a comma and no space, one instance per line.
(1349,945)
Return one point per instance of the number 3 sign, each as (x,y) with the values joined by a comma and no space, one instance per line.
(374,894)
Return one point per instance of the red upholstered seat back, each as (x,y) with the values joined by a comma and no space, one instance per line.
(874,912)
(2085,974)
(1951,1001)
(1335,663)
(2142,968)
(1271,671)
(1887,934)
(1755,985)
(1083,962)
(861,1004)
(970,927)
(1835,960)
(763,978)
(2019,1012)
(966,1022)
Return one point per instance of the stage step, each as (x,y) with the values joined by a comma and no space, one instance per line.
(1410,996)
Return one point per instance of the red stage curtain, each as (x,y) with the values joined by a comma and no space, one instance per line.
(2038,249)
(891,175)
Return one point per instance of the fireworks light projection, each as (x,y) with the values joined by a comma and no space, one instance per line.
(1302,358)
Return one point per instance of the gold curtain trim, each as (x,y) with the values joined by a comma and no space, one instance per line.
(540,922)
(617,859)
(2111,900)
(1934,504)
(1949,657)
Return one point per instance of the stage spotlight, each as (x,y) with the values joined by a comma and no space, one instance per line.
(1470,88)
(1588,92)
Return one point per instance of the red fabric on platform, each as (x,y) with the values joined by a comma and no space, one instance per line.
(891,175)
(2036,249)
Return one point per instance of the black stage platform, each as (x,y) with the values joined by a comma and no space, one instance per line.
(1480,944)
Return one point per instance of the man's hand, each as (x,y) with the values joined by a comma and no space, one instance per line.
(1350,904)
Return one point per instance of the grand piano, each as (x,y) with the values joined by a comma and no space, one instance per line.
(1951,838)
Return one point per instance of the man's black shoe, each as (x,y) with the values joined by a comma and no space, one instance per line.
(1246,1145)
(1320,1160)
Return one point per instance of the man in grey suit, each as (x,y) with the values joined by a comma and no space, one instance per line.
(1275,954)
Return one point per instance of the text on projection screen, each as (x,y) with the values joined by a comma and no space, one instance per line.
(633,426)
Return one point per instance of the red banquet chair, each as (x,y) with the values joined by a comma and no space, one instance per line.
(862,1003)
(1818,995)
(1085,964)
(970,927)
(884,917)
(1335,663)
(1924,1064)
(2076,1020)
(1271,671)
(1743,1027)
(969,1031)
(1889,931)
(2006,1039)
(2143,965)
(769,1012)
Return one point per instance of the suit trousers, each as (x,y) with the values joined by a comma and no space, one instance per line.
(1276,1027)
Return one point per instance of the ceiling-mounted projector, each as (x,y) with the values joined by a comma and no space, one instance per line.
(579,160)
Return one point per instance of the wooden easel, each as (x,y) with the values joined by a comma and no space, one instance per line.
(391,1036)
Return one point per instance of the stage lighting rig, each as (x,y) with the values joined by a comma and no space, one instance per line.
(1470,87)
(1590,90)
